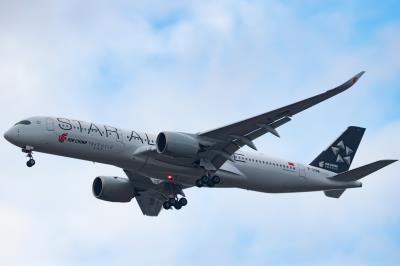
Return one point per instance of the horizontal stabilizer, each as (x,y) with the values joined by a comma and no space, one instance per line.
(363,171)
(336,193)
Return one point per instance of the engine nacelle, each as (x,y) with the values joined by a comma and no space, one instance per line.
(114,189)
(177,144)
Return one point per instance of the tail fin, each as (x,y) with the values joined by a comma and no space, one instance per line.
(339,156)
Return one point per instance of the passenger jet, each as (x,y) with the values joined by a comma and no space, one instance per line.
(159,167)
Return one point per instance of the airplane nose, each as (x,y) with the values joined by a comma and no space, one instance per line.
(7,135)
(10,136)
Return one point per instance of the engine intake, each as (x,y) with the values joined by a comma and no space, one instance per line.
(114,189)
(177,144)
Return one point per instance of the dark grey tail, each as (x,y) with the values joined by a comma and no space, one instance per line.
(339,156)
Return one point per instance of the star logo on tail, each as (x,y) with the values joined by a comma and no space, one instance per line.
(342,152)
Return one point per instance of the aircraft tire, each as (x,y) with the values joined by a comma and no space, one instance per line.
(30,163)
(166,205)
(210,183)
(183,201)
(205,179)
(199,183)
(216,179)
(172,201)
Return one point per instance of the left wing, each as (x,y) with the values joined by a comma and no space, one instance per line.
(151,194)
(228,139)
(149,204)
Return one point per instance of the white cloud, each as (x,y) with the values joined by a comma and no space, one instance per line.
(219,62)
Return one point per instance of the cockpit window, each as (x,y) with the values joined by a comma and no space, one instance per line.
(23,122)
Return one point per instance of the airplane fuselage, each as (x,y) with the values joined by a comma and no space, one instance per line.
(109,145)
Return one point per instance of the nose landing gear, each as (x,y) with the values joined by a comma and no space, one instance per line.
(29,150)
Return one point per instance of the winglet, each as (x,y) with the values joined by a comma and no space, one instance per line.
(354,79)
(341,88)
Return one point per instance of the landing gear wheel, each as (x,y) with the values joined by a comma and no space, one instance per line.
(216,179)
(205,179)
(199,183)
(177,205)
(209,181)
(183,202)
(172,201)
(166,205)
(30,163)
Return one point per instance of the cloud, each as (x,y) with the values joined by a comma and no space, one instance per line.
(192,67)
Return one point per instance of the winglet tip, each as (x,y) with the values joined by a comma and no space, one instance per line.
(357,77)
(360,74)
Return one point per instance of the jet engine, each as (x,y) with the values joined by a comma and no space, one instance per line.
(114,189)
(177,144)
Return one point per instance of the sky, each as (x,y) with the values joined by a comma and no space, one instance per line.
(192,66)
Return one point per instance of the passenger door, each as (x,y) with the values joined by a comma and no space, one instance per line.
(302,171)
(50,124)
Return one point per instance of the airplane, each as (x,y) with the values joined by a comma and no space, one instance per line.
(159,167)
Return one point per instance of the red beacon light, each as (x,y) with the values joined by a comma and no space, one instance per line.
(170,177)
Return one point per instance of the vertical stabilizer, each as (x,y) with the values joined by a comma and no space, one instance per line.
(339,156)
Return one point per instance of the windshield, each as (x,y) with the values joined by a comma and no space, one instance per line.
(23,122)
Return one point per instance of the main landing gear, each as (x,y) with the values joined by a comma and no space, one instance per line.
(171,195)
(208,181)
(29,150)
(174,202)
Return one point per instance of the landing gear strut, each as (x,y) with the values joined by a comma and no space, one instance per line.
(206,180)
(29,150)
